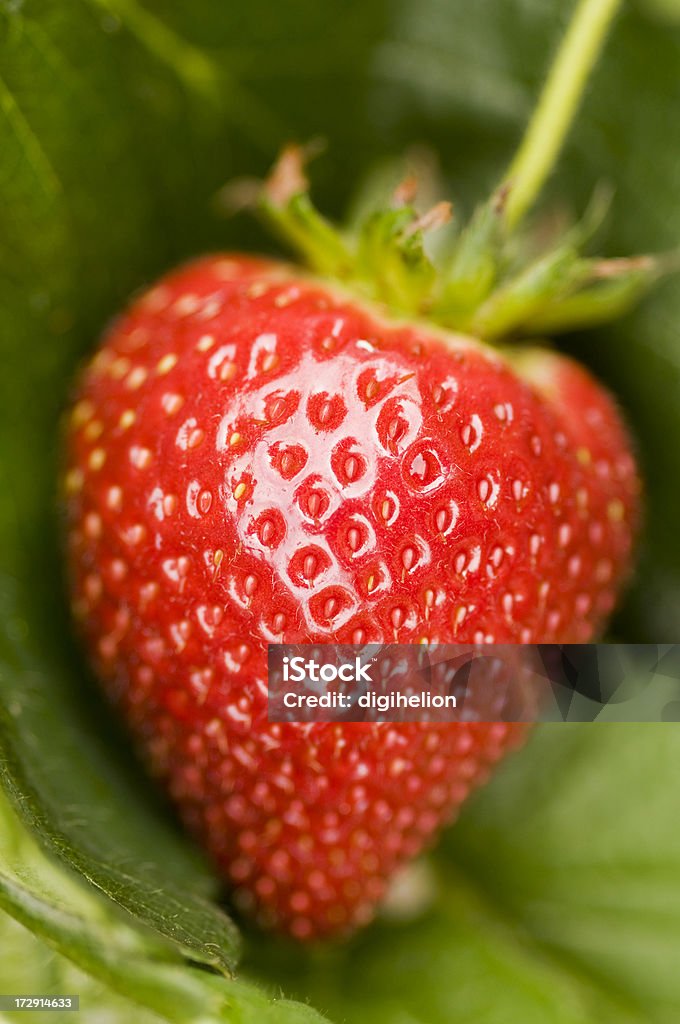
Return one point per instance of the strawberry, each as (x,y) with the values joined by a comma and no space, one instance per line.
(253,457)
(258,455)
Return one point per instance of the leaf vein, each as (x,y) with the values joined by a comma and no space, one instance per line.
(29,142)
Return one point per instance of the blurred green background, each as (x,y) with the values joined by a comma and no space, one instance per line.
(557,898)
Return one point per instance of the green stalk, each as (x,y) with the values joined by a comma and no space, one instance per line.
(557,105)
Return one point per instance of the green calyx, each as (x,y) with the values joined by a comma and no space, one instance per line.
(489,279)
(492,278)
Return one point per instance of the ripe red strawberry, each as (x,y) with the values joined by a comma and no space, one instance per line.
(255,457)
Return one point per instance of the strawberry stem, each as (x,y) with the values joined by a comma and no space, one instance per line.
(559,101)
(485,279)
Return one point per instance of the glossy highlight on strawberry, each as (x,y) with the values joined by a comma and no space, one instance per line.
(256,456)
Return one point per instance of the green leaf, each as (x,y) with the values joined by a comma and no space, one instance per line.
(586,859)
(141,970)
(28,965)
(111,114)
(75,795)
(556,900)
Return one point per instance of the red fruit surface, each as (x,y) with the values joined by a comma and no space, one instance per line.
(255,457)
